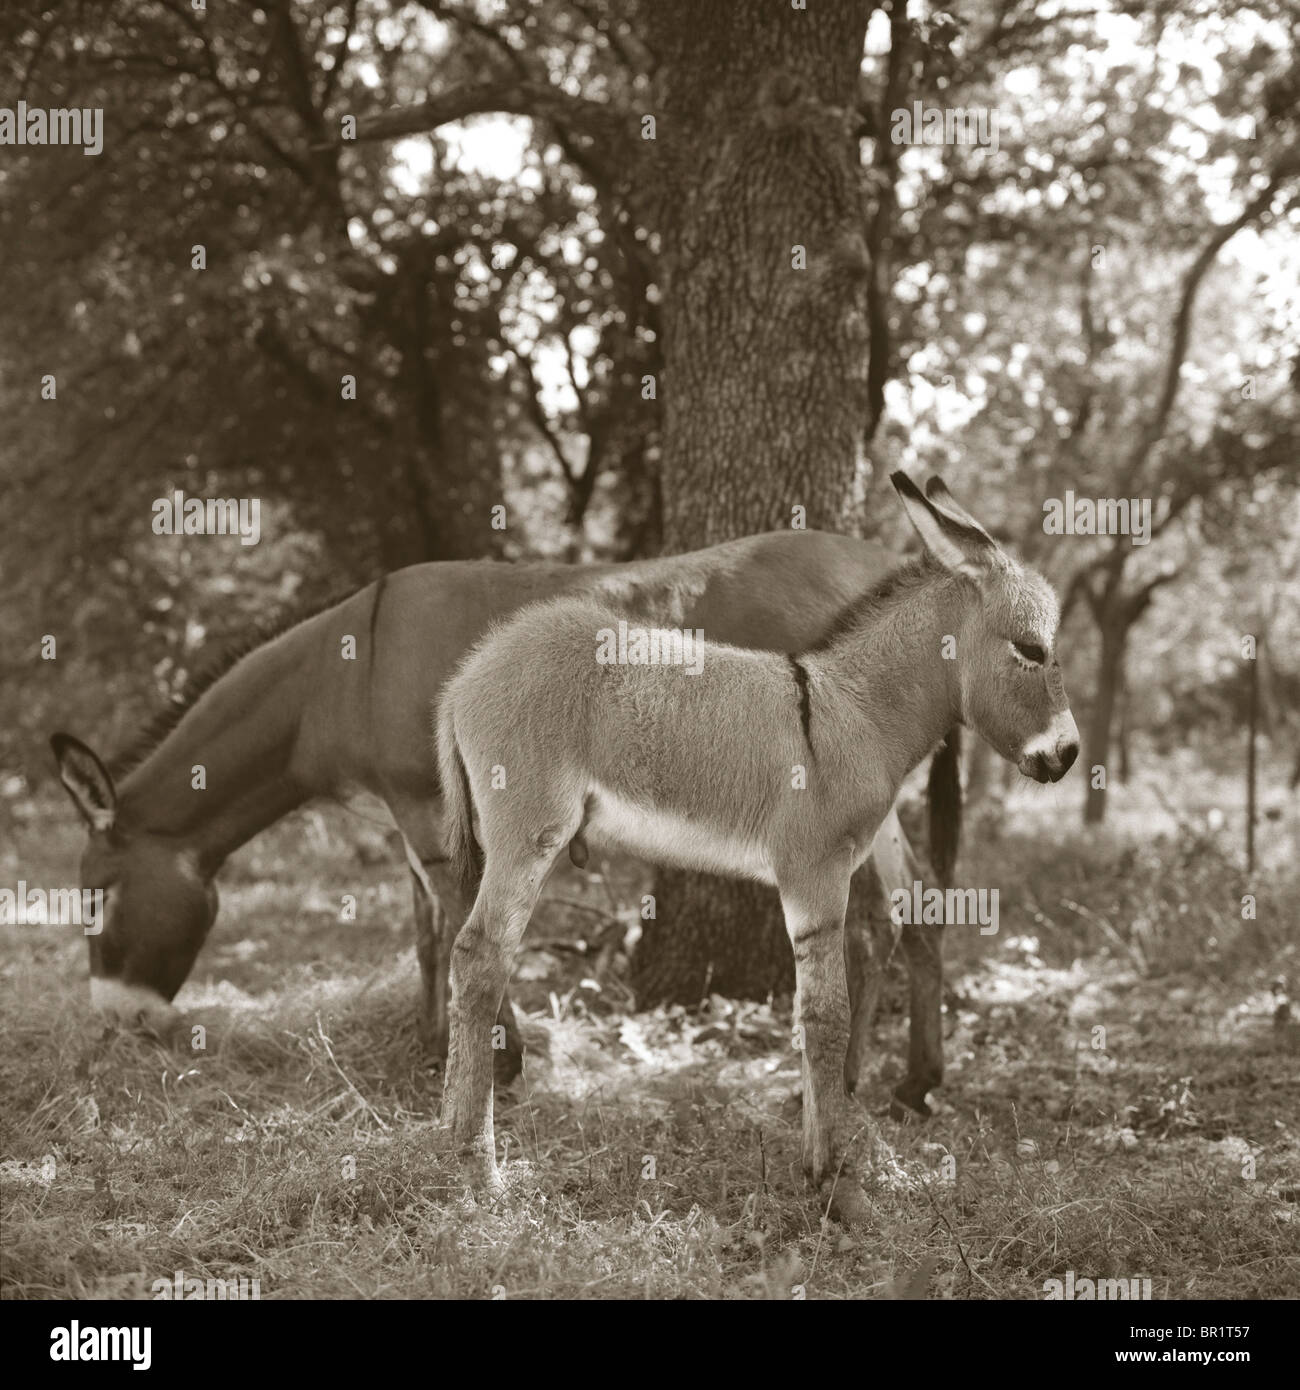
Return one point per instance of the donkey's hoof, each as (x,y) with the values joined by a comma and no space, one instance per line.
(908,1104)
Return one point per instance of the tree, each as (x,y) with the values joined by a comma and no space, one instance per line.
(765,274)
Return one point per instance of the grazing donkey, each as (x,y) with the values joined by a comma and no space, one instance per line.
(739,762)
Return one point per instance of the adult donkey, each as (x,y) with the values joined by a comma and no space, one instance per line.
(739,762)
(341,703)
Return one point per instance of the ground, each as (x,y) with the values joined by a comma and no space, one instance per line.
(657,1155)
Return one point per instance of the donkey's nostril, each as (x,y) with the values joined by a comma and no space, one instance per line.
(1067,757)
(1035,765)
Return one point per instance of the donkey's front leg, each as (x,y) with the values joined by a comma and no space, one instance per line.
(923,946)
(480,966)
(477,980)
(814,904)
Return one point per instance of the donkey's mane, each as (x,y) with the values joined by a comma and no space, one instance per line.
(900,582)
(215,663)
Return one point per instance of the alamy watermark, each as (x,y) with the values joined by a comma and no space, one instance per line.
(651,646)
(77,1343)
(943,125)
(178,1287)
(55,125)
(54,907)
(1098,516)
(1074,1289)
(179,515)
(940,907)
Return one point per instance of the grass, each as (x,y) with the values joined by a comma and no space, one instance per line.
(656,1155)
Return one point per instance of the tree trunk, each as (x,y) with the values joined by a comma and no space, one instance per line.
(1252,677)
(765,280)
(1123,731)
(1114,635)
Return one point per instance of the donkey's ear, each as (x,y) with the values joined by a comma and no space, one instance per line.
(958,547)
(87,781)
(936,490)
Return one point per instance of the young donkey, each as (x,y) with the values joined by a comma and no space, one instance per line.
(743,762)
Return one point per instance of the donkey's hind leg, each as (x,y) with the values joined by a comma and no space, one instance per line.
(814,904)
(448,909)
(441,906)
(480,967)
(432,943)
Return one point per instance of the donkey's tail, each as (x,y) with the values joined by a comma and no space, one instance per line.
(944,798)
(461,847)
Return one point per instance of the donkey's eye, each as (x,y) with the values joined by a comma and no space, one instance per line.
(1031,652)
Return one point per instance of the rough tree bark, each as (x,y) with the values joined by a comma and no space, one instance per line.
(765,388)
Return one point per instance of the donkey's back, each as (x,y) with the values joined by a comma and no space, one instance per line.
(568,719)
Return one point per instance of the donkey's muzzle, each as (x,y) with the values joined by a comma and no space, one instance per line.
(1050,767)
(133,1006)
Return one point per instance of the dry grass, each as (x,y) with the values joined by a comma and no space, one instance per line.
(656,1155)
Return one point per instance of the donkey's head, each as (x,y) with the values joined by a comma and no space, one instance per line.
(1009,679)
(158,906)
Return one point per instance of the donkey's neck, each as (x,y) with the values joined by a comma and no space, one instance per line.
(898,692)
(223,773)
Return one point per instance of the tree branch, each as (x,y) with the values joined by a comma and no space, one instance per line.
(294,68)
(340,56)
(1080,586)
(540,420)
(1136,603)
(884,164)
(1154,430)
(510,98)
(240,101)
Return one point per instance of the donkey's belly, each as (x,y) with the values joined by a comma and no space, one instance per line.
(664,837)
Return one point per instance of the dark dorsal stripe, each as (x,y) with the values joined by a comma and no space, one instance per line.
(800,673)
(374,621)
(909,575)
